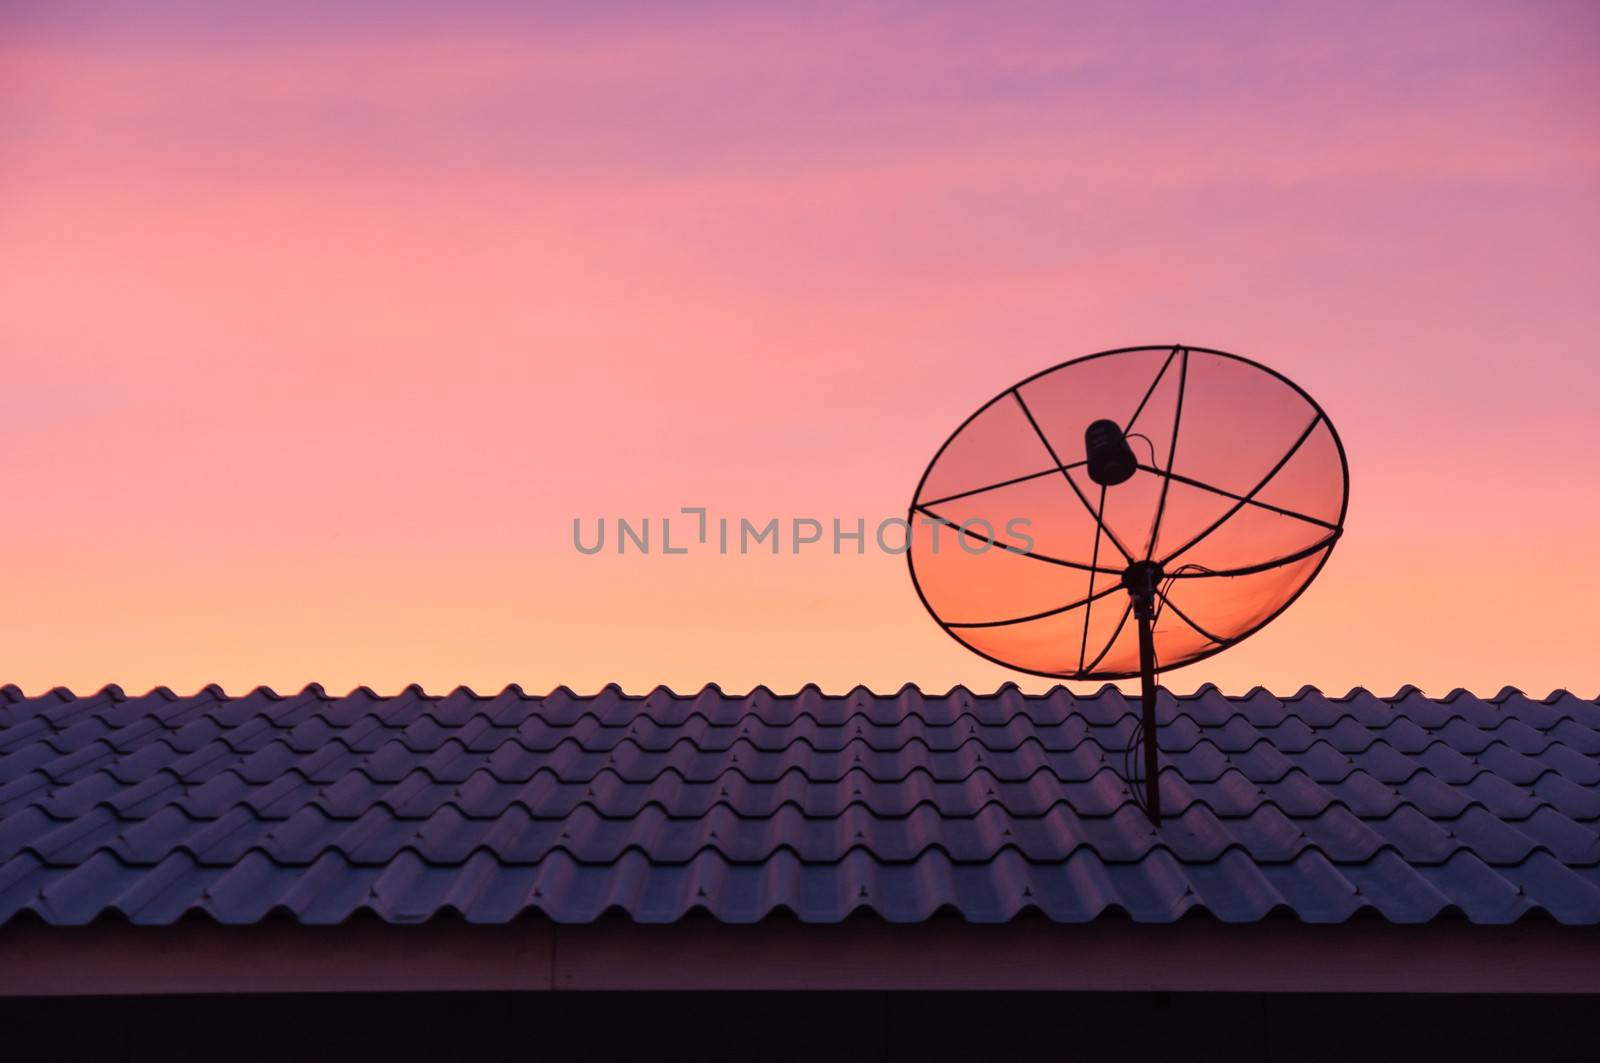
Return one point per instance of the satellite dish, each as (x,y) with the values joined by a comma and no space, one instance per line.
(1130,511)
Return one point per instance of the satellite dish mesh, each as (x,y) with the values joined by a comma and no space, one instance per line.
(1029,553)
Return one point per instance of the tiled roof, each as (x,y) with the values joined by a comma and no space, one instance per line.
(906,805)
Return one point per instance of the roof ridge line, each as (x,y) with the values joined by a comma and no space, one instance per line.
(14,691)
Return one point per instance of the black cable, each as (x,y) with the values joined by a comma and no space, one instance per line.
(1166,586)
(1130,772)
(1130,777)
(1147,442)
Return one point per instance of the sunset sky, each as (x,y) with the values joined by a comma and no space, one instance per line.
(319,327)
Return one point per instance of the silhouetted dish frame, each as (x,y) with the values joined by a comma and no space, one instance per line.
(1325,545)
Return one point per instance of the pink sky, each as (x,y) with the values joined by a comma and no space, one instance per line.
(317,332)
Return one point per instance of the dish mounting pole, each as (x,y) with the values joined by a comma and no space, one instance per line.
(1141,579)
